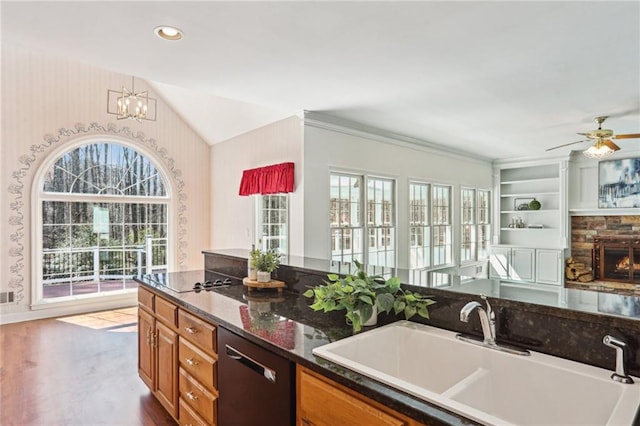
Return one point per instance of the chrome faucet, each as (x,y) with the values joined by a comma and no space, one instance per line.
(487,319)
(621,373)
(488,323)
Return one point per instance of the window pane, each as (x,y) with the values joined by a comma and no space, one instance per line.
(419,231)
(104,168)
(272,226)
(93,247)
(441,214)
(345,217)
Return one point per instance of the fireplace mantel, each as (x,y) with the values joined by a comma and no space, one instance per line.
(604,212)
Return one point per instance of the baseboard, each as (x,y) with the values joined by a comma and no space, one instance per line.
(60,311)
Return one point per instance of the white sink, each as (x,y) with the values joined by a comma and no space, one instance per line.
(488,386)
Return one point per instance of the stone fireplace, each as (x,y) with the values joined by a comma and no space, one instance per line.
(611,246)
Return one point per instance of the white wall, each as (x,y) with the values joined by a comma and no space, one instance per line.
(583,181)
(326,149)
(232,215)
(42,94)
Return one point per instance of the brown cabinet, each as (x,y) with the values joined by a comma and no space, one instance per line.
(158,349)
(323,402)
(177,359)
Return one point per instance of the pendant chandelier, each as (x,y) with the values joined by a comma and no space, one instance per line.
(131,105)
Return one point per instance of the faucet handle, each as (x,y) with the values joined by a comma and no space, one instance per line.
(489,309)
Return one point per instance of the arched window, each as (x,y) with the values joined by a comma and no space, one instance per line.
(102,217)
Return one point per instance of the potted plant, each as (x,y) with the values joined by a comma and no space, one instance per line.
(252,272)
(364,296)
(265,262)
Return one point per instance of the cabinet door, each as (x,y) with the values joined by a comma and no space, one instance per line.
(499,262)
(325,403)
(549,266)
(522,264)
(145,347)
(166,368)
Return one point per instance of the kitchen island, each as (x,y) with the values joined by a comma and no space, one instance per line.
(283,324)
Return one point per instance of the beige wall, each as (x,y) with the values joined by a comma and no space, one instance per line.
(232,216)
(43,95)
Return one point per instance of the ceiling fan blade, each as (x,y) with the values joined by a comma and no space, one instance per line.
(611,145)
(628,136)
(566,144)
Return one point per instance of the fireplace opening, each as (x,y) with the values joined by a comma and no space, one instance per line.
(617,259)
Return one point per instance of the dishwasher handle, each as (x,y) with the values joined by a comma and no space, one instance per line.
(259,368)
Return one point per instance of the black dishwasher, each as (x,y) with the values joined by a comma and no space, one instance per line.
(256,386)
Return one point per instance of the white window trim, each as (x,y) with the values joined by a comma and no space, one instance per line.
(363,210)
(257,208)
(408,248)
(452,207)
(476,225)
(37,196)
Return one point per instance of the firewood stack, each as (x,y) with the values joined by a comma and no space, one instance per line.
(576,271)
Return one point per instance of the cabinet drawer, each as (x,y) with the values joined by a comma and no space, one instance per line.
(166,312)
(188,417)
(197,363)
(197,331)
(198,397)
(146,299)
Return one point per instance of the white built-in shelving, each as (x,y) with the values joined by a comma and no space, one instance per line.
(519,184)
(533,253)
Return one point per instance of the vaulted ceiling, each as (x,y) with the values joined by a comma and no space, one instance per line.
(494,79)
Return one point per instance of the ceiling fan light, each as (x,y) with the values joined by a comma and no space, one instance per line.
(598,152)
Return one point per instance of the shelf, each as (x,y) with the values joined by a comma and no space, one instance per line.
(529,194)
(511,182)
(529,211)
(604,212)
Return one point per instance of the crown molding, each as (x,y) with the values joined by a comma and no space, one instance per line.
(348,127)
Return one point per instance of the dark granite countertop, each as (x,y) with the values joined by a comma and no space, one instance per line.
(574,301)
(284,324)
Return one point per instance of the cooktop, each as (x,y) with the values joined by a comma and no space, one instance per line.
(198,280)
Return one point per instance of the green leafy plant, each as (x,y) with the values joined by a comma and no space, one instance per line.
(358,293)
(265,261)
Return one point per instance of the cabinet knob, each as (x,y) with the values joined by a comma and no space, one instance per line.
(191,362)
(191,396)
(191,330)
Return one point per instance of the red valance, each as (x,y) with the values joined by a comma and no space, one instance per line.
(274,179)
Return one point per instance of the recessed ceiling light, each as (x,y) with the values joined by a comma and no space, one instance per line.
(168,33)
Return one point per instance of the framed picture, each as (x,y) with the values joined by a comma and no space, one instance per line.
(619,183)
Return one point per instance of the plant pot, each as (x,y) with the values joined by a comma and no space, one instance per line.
(264,277)
(252,273)
(374,317)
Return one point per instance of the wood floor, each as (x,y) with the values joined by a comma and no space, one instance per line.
(75,371)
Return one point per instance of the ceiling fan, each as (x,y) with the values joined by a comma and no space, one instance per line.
(603,145)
